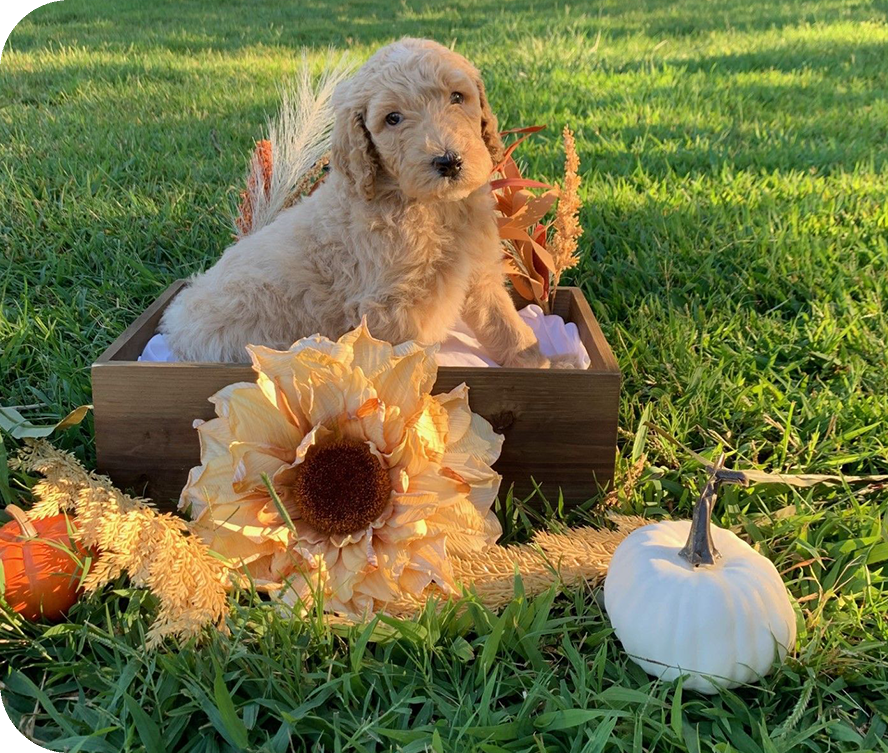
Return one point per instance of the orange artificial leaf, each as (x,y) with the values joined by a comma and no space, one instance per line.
(260,176)
(513,233)
(510,149)
(517,183)
(523,129)
(535,208)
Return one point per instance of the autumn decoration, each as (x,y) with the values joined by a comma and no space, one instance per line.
(537,252)
(42,564)
(339,472)
(691,598)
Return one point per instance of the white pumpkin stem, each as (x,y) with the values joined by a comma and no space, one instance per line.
(700,549)
(20,517)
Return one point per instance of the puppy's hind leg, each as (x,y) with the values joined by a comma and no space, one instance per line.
(204,325)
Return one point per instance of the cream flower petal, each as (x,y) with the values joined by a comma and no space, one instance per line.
(215,436)
(411,507)
(394,427)
(210,482)
(343,540)
(430,556)
(404,532)
(410,455)
(406,380)
(367,423)
(415,582)
(391,558)
(316,345)
(315,437)
(250,518)
(478,480)
(369,354)
(466,530)
(445,486)
(239,549)
(250,461)
(342,580)
(254,419)
(432,425)
(378,586)
(307,535)
(281,376)
(469,433)
(354,557)
(324,401)
(410,347)
(222,397)
(338,398)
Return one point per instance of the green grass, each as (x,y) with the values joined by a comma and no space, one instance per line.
(735,164)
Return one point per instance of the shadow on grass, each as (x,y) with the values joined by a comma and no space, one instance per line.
(235,24)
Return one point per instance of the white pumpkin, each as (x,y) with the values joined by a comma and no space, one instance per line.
(689,598)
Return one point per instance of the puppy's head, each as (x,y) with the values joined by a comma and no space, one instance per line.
(415,117)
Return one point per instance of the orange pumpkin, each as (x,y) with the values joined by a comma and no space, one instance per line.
(40,565)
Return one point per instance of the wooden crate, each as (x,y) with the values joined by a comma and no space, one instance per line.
(560,425)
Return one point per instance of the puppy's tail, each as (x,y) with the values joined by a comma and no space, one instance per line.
(298,144)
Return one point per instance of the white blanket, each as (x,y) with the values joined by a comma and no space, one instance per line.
(461,348)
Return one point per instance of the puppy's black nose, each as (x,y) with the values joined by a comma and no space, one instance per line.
(448,164)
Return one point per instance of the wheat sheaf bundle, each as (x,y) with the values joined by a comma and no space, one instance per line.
(567,213)
(576,557)
(128,535)
(287,163)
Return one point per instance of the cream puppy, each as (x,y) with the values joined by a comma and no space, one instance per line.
(402,231)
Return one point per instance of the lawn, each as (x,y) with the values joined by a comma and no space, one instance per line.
(735,166)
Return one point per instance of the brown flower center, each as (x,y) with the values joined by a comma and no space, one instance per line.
(341,487)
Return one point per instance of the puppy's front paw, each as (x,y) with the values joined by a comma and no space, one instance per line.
(567,361)
(529,358)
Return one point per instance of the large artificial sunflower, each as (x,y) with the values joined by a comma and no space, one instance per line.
(380,480)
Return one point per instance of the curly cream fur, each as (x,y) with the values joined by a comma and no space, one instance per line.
(385,236)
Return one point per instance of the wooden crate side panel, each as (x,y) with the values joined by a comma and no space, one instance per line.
(562,425)
(145,439)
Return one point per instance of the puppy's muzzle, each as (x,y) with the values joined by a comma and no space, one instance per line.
(448,164)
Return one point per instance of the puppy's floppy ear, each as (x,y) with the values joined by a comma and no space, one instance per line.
(352,151)
(489,128)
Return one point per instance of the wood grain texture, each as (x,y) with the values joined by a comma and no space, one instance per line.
(560,426)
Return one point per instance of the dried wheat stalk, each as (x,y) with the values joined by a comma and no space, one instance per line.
(568,230)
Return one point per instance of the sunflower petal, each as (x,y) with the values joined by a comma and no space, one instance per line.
(254,419)
(469,433)
(222,397)
(250,461)
(411,507)
(369,354)
(209,483)
(430,556)
(215,437)
(378,586)
(431,425)
(467,531)
(403,382)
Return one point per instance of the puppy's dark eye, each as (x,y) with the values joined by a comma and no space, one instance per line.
(393,118)
(457,98)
